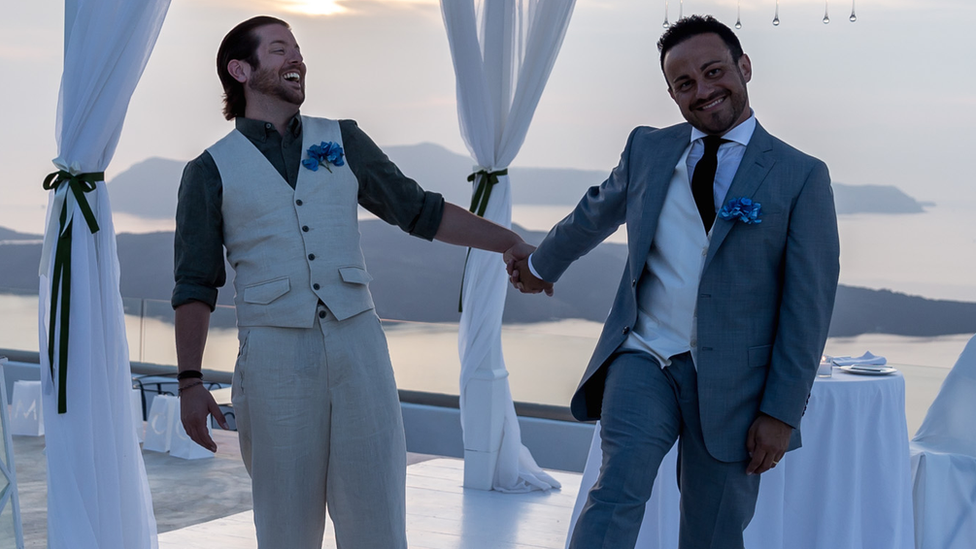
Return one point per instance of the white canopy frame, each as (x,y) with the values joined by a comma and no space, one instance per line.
(503,52)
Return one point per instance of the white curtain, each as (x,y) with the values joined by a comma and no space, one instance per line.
(98,493)
(503,52)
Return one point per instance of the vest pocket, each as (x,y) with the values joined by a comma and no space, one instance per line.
(266,292)
(354,275)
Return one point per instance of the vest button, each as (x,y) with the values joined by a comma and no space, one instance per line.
(626,330)
(299,202)
(321,314)
(316,286)
(311,257)
(304,228)
(633,283)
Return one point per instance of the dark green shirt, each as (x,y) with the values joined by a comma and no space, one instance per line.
(383,190)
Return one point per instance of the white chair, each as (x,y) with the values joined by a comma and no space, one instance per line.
(944,462)
(27,416)
(10,523)
(160,424)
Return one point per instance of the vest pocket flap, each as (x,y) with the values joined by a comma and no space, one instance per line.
(355,275)
(266,292)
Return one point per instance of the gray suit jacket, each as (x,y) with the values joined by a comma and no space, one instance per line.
(766,292)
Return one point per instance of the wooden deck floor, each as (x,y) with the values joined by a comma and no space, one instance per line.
(441,514)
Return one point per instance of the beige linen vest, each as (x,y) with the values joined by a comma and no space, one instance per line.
(291,248)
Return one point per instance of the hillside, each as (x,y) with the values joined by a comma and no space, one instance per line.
(149,189)
(419,280)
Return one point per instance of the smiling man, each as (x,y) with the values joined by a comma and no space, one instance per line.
(313,393)
(719,321)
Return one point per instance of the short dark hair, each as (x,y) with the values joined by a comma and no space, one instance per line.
(693,25)
(240,43)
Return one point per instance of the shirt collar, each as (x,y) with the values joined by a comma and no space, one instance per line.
(740,134)
(258,130)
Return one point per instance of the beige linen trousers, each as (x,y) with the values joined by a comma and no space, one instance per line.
(320,428)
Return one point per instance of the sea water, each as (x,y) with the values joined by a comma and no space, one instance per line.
(932,254)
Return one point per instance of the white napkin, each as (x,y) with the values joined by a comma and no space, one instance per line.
(867,359)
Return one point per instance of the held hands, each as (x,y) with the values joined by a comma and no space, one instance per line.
(517,262)
(196,403)
(767,442)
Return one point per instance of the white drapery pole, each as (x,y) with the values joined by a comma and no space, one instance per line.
(98,493)
(503,52)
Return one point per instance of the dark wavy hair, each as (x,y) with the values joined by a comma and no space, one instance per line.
(240,43)
(694,25)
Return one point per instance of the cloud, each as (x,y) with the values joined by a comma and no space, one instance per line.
(320,8)
(18,53)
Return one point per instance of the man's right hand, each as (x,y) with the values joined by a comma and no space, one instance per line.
(523,279)
(196,403)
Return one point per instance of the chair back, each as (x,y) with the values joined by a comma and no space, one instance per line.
(950,424)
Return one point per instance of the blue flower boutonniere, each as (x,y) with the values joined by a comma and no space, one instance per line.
(324,154)
(742,209)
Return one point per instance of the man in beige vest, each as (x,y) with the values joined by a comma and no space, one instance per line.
(313,393)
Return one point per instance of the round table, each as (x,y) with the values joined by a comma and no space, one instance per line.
(848,486)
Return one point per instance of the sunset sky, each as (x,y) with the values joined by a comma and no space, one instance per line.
(887,100)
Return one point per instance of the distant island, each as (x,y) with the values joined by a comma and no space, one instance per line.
(149,189)
(418,280)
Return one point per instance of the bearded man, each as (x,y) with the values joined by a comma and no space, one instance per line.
(313,392)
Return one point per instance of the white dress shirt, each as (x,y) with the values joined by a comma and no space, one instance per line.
(667,294)
(729,156)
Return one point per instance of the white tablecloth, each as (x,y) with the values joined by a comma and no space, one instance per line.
(849,486)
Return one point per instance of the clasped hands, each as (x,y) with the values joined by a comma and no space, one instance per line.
(517,263)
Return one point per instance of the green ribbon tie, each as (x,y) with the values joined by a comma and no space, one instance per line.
(79,185)
(479,203)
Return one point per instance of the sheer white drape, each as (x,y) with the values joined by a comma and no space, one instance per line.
(503,52)
(98,493)
(944,462)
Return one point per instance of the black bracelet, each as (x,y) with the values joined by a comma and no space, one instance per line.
(189,374)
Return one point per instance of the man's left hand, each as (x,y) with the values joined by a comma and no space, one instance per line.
(767,442)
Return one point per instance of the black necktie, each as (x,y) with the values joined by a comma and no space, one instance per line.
(703,180)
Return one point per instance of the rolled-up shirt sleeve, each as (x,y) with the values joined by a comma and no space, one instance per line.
(198,244)
(385,191)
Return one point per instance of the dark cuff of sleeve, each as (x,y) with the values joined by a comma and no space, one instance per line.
(429,219)
(185,293)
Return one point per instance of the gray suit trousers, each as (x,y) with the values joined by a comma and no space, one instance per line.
(320,425)
(646,409)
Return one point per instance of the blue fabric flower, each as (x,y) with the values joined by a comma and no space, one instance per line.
(323,154)
(741,209)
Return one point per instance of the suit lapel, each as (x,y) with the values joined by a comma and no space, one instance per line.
(755,165)
(656,170)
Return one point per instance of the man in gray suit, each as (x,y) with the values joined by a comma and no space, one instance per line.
(719,322)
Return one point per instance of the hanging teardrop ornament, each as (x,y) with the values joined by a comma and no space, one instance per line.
(666,24)
(776,15)
(826,18)
(853,15)
(738,15)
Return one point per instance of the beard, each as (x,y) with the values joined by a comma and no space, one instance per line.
(723,121)
(719,122)
(269,83)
